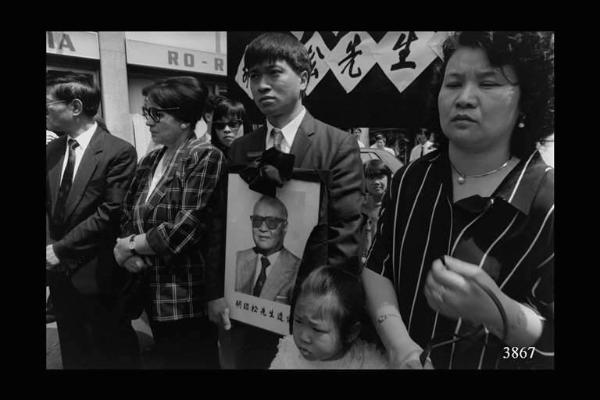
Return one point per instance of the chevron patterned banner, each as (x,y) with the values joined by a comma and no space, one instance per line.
(402,56)
(354,69)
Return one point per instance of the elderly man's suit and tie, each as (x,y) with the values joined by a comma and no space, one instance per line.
(82,220)
(279,283)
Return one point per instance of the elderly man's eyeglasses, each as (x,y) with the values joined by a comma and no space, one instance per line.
(156,113)
(272,222)
(235,124)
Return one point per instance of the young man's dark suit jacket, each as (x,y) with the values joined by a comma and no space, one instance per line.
(320,146)
(335,240)
(87,281)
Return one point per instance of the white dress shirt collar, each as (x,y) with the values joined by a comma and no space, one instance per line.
(84,139)
(289,132)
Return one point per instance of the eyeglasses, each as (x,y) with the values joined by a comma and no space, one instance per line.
(156,113)
(235,124)
(49,103)
(272,222)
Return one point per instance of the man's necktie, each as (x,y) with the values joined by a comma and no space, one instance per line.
(422,148)
(277,136)
(262,277)
(65,184)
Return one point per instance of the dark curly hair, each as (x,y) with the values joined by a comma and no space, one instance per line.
(531,54)
(183,92)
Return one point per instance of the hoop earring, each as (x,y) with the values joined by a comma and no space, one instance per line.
(521,123)
(183,126)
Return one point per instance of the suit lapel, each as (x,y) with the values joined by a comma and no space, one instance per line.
(55,160)
(86,168)
(256,144)
(302,140)
(281,274)
(247,272)
(162,187)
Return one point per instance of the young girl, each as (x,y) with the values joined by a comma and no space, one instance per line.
(326,326)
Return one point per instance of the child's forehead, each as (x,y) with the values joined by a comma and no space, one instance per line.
(317,307)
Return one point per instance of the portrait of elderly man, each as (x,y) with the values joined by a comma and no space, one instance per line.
(267,270)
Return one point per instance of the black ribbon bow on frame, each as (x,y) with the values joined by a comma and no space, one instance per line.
(269,171)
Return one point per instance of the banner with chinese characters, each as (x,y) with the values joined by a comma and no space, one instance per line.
(358,78)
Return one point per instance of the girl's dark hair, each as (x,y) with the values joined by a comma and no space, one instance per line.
(185,92)
(274,46)
(344,298)
(376,168)
(531,54)
(76,86)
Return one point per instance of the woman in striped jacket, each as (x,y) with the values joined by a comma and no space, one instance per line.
(461,271)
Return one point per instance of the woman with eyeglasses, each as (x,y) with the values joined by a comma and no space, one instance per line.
(173,224)
(461,271)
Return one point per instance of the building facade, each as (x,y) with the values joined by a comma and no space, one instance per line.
(122,63)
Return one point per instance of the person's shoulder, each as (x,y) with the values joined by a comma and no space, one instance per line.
(196,149)
(196,145)
(416,169)
(114,141)
(243,254)
(320,126)
(240,141)
(237,151)
(539,177)
(287,345)
(286,251)
(58,143)
(116,148)
(288,356)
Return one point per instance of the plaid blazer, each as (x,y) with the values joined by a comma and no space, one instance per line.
(184,222)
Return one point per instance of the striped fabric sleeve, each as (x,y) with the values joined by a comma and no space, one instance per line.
(541,298)
(191,221)
(540,295)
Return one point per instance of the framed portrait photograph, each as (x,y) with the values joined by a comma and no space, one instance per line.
(266,237)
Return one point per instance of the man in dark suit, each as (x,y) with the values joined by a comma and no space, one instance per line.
(87,173)
(269,269)
(279,69)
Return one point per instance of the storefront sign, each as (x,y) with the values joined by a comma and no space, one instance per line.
(161,56)
(75,44)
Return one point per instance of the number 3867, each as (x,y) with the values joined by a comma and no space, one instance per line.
(518,352)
